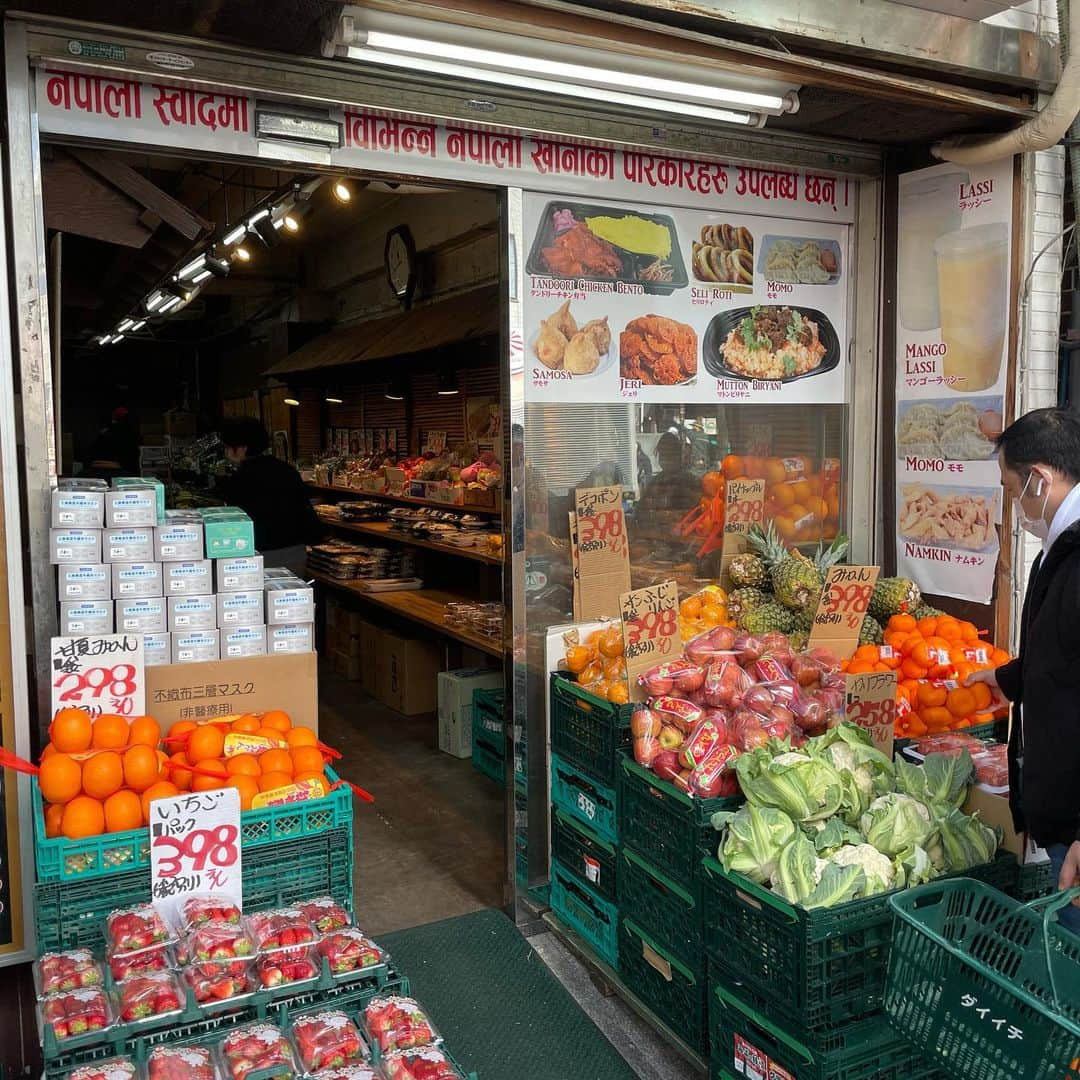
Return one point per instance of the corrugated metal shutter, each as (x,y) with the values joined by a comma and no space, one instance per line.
(564,443)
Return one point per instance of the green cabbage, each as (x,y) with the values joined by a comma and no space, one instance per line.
(966,841)
(804,787)
(753,839)
(894,822)
(837,885)
(798,870)
(940,781)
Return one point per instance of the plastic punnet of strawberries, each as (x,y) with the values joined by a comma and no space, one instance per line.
(117,1068)
(356,1071)
(136,928)
(143,996)
(124,965)
(258,1046)
(349,950)
(180,1063)
(419,1063)
(72,970)
(216,941)
(398,1023)
(197,910)
(77,1012)
(282,928)
(217,980)
(283,966)
(327,1040)
(325,914)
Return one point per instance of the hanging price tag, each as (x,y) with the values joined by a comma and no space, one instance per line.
(99,673)
(843,604)
(744,505)
(870,702)
(603,550)
(195,848)
(650,619)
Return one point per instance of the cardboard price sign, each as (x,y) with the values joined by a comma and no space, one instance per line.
(650,620)
(842,607)
(603,550)
(870,703)
(195,848)
(744,505)
(103,673)
(396,481)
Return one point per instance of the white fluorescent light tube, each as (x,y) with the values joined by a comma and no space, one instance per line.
(547,86)
(126,324)
(514,62)
(172,302)
(137,326)
(192,267)
(104,339)
(257,217)
(234,236)
(155,300)
(116,338)
(202,275)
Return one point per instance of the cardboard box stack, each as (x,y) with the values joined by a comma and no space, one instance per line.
(189,581)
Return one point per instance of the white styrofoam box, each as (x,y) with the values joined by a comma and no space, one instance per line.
(145,615)
(86,617)
(195,646)
(157,649)
(289,601)
(194,578)
(83,581)
(131,507)
(75,546)
(179,541)
(192,613)
(241,573)
(244,607)
(291,638)
(78,508)
(136,579)
(455,706)
(240,641)
(128,544)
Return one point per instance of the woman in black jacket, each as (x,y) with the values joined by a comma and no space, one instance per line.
(1039,456)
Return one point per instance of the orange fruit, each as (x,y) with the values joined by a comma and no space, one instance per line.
(103,773)
(983,695)
(969,632)
(204,743)
(931,696)
(60,778)
(211,775)
(270,780)
(712,483)
(784,495)
(248,787)
(618,693)
(902,622)
(733,466)
(246,724)
(123,811)
(179,732)
(49,749)
(54,816)
(611,643)
(305,759)
(110,733)
(242,765)
(276,761)
(301,736)
(71,731)
(144,731)
(775,472)
(313,776)
(273,735)
(140,767)
(577,658)
(181,777)
(910,670)
(163,789)
(960,702)
(83,816)
(937,718)
(276,719)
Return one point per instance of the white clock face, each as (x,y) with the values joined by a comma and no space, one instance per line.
(397,263)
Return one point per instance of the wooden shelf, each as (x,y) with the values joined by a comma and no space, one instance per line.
(383,531)
(424,606)
(404,500)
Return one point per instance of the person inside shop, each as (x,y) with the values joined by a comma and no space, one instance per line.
(115,450)
(272,494)
(1039,457)
(673,488)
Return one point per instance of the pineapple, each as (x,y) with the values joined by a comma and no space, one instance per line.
(768,617)
(926,611)
(804,622)
(871,632)
(796,580)
(747,571)
(744,600)
(893,595)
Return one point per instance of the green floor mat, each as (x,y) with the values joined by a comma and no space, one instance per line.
(500,1009)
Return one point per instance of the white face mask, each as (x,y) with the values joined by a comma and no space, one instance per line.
(1039,527)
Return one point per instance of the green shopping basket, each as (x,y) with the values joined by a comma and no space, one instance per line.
(986,986)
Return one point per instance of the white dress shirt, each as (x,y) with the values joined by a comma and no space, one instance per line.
(1068,513)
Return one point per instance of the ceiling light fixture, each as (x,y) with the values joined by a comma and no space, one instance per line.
(265,231)
(291,401)
(234,236)
(333,397)
(137,326)
(241,254)
(342,192)
(125,324)
(104,339)
(292,224)
(448,384)
(169,305)
(189,270)
(179,290)
(397,390)
(154,301)
(200,277)
(218,266)
(116,338)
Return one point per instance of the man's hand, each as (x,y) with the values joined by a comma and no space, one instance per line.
(989,676)
(1070,870)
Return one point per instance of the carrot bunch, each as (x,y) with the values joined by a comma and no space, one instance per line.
(933,658)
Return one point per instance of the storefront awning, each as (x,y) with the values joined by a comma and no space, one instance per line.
(464,317)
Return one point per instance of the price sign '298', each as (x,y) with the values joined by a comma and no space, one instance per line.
(101,673)
(650,622)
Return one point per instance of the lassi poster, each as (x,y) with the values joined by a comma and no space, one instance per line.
(954,243)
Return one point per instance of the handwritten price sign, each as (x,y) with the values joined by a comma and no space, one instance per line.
(870,702)
(603,550)
(842,607)
(195,848)
(101,674)
(744,505)
(650,620)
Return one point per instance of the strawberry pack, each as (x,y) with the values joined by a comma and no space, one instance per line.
(356,1071)
(397,1023)
(117,1068)
(216,941)
(217,980)
(327,1040)
(56,972)
(197,910)
(123,965)
(419,1063)
(180,1063)
(325,914)
(284,966)
(77,1012)
(142,997)
(282,928)
(349,950)
(258,1046)
(136,928)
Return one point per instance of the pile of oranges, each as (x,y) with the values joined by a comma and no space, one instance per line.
(100,775)
(705,610)
(599,665)
(932,659)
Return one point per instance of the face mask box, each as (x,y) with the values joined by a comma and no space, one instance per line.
(153,482)
(239,575)
(145,616)
(134,580)
(195,646)
(78,581)
(289,602)
(128,545)
(192,613)
(75,546)
(236,609)
(131,507)
(86,617)
(243,641)
(188,578)
(229,537)
(78,508)
(179,541)
(157,649)
(294,638)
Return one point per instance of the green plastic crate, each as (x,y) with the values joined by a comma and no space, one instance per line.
(670,990)
(587,731)
(648,897)
(989,987)
(664,825)
(487,762)
(815,968)
(487,712)
(60,859)
(584,799)
(1033,880)
(995,730)
(590,858)
(746,1043)
(585,912)
(70,915)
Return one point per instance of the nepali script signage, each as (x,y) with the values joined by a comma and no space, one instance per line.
(161,114)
